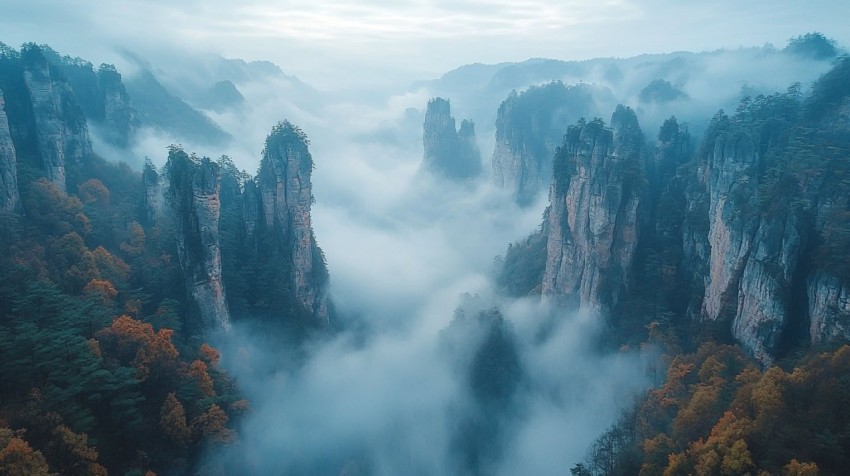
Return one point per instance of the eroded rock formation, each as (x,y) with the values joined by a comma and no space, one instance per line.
(593,216)
(449,152)
(193,197)
(8,165)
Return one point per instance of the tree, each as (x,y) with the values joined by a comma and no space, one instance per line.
(17,458)
(198,372)
(212,426)
(209,354)
(172,421)
(72,455)
(102,289)
(812,45)
(93,192)
(135,342)
(134,245)
(796,468)
(580,470)
(738,460)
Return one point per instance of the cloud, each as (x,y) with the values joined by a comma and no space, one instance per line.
(383,42)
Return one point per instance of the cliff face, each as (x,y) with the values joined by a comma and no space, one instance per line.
(250,236)
(529,127)
(285,193)
(764,301)
(193,195)
(60,127)
(593,216)
(521,162)
(750,234)
(154,198)
(250,204)
(119,116)
(448,152)
(756,242)
(731,184)
(101,95)
(8,165)
(828,308)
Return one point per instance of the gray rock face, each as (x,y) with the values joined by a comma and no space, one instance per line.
(286,198)
(763,298)
(193,194)
(593,217)
(61,132)
(522,163)
(829,308)
(154,198)
(529,127)
(120,119)
(695,247)
(732,183)
(8,165)
(448,152)
(752,233)
(251,210)
(752,260)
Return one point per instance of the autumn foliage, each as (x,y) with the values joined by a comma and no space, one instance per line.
(17,458)
(719,413)
(173,421)
(96,373)
(136,343)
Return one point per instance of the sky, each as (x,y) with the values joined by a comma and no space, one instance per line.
(335,43)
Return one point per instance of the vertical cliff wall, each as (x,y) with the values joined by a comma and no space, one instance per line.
(9,198)
(119,117)
(193,197)
(529,127)
(252,237)
(153,202)
(593,216)
(60,126)
(285,193)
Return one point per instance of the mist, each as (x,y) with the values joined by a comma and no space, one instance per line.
(411,258)
(390,392)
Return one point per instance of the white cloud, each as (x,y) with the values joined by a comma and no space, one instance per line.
(336,43)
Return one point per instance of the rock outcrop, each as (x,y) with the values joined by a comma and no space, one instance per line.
(448,152)
(101,96)
(828,308)
(193,197)
(8,165)
(529,127)
(251,211)
(755,247)
(593,216)
(732,168)
(119,117)
(154,200)
(749,236)
(245,245)
(60,126)
(285,193)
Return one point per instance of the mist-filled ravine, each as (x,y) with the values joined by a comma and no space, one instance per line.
(430,239)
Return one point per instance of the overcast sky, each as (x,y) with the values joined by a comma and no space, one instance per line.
(326,41)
